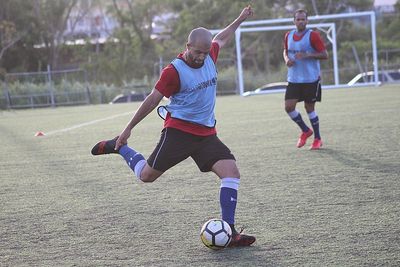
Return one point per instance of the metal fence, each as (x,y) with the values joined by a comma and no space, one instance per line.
(45,89)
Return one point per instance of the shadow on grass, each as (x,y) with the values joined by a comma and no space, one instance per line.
(256,255)
(357,161)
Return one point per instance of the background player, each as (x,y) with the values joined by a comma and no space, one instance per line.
(303,48)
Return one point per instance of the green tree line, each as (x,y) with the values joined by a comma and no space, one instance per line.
(31,34)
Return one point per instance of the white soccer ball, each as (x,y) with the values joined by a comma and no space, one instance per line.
(216,234)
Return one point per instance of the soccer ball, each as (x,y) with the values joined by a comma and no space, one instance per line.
(216,234)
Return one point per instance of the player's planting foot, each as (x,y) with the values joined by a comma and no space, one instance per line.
(241,240)
(303,138)
(105,147)
(316,144)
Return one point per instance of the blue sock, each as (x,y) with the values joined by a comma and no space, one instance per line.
(134,159)
(228,199)
(315,124)
(296,117)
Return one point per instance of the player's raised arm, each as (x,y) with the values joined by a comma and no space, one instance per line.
(226,34)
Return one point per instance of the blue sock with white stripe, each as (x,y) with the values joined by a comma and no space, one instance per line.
(296,117)
(134,159)
(228,198)
(315,124)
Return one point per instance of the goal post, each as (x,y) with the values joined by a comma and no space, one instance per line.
(331,29)
(328,23)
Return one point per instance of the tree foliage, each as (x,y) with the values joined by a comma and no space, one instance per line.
(31,33)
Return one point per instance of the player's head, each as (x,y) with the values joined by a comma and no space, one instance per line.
(300,19)
(198,46)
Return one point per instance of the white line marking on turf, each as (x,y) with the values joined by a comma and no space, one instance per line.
(87,123)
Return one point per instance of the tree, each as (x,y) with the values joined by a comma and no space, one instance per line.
(322,7)
(32,33)
(51,19)
(389,28)
(131,53)
(8,36)
(14,26)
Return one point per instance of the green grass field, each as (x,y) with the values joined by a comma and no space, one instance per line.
(339,206)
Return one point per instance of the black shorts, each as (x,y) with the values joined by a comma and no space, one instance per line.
(175,146)
(307,92)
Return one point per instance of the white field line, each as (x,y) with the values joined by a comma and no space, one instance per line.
(86,124)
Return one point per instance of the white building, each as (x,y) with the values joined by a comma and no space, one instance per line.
(161,25)
(385,6)
(93,24)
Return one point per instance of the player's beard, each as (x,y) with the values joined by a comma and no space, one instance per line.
(195,62)
(301,27)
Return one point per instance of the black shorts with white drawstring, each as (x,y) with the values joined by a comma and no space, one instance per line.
(175,146)
(307,92)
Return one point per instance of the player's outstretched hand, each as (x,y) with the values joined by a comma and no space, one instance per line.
(246,12)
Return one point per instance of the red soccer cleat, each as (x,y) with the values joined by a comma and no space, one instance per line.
(105,147)
(241,240)
(303,138)
(316,144)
